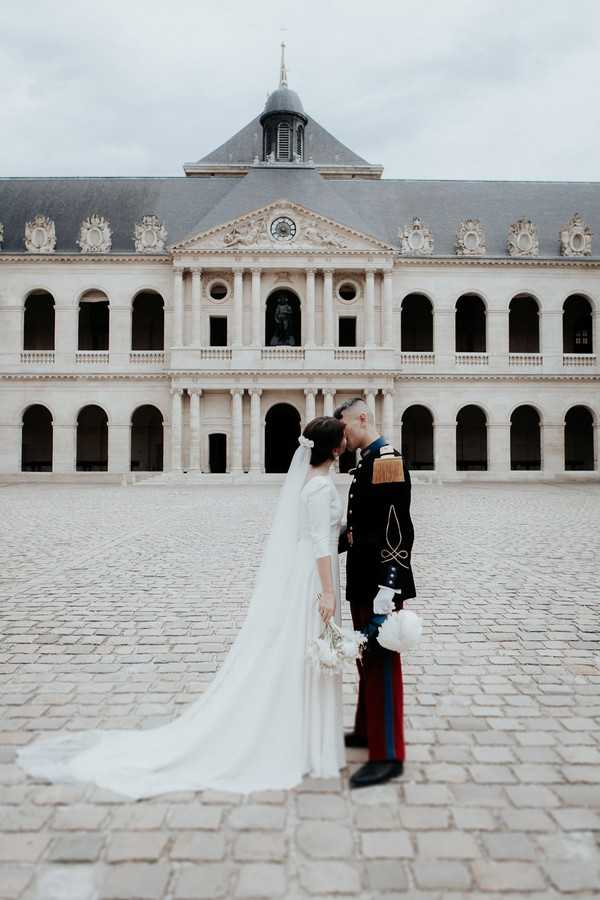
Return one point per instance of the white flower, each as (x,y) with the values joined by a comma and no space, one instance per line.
(400,631)
(333,647)
(306,442)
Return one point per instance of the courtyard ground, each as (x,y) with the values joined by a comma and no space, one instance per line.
(117,605)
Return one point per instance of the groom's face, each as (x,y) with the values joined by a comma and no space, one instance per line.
(354,429)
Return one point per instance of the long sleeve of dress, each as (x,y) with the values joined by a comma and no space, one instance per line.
(319,513)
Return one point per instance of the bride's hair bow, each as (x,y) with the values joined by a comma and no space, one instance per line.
(306,442)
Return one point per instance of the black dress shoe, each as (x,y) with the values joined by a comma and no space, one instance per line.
(351,739)
(376,773)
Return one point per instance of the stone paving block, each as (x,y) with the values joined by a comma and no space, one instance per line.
(80,817)
(330,878)
(423,817)
(263,846)
(507,876)
(324,840)
(387,845)
(530,795)
(321,806)
(138,818)
(427,794)
(14,878)
(505,845)
(443,875)
(125,846)
(195,815)
(204,845)
(387,875)
(23,818)
(473,819)
(76,848)
(255,817)
(22,846)
(574,876)
(577,819)
(527,820)
(139,881)
(447,845)
(261,880)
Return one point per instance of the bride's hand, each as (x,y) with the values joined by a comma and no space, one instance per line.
(326,605)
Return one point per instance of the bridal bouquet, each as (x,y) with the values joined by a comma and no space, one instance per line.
(334,646)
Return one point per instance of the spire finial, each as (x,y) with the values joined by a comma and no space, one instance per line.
(283,70)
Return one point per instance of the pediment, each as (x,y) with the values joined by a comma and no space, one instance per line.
(282,226)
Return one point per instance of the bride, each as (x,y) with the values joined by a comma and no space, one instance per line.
(268,717)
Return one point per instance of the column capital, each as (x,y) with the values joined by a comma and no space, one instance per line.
(238,269)
(311,270)
(312,391)
(195,391)
(178,268)
(256,270)
(255,392)
(173,391)
(236,391)
(329,270)
(370,390)
(388,392)
(328,391)
(196,271)
(371,269)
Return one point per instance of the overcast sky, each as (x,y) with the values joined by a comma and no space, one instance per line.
(429,88)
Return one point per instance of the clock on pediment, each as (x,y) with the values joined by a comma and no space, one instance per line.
(283,228)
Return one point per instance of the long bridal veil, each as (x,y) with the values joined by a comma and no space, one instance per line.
(244,733)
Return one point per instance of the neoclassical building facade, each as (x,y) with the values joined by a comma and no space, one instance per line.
(195,323)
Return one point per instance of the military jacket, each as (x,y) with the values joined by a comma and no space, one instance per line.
(380,525)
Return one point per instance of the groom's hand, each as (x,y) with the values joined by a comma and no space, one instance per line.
(383,604)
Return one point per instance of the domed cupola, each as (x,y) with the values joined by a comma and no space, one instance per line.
(283,122)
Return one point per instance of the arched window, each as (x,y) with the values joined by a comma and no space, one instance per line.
(38,322)
(471,439)
(148,322)
(92,440)
(36,439)
(579,439)
(525,449)
(268,141)
(523,325)
(93,321)
(470,324)
(416,324)
(147,439)
(417,437)
(283,140)
(300,141)
(282,428)
(283,324)
(577,325)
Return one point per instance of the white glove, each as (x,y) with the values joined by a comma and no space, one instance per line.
(383,603)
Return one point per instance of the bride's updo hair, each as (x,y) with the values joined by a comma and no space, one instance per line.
(327,434)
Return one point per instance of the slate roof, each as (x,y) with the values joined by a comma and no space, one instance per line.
(321,146)
(378,207)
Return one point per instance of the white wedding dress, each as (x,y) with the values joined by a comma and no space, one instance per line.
(268,717)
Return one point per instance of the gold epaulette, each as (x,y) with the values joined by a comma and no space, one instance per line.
(388,468)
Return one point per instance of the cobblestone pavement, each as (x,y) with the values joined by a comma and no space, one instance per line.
(116,608)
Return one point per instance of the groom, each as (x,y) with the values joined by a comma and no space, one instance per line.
(378,540)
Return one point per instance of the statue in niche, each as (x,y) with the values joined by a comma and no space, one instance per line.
(283,320)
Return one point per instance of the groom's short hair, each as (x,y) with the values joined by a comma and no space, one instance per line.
(350,404)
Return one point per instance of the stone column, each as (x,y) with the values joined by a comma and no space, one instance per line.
(444,449)
(328,401)
(551,339)
(497,336)
(443,336)
(119,330)
(370,308)
(236,430)
(195,394)
(119,448)
(388,415)
(309,340)
(255,431)
(177,339)
(257,318)
(498,441)
(238,307)
(66,329)
(388,310)
(328,340)
(196,307)
(370,394)
(64,448)
(310,405)
(553,449)
(176,429)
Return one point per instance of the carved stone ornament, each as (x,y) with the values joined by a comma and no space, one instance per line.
(312,233)
(95,235)
(150,235)
(40,235)
(576,238)
(470,238)
(416,239)
(248,233)
(1,234)
(523,239)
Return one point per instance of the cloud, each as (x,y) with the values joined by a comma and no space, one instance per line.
(463,90)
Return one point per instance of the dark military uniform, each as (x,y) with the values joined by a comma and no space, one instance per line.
(378,555)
